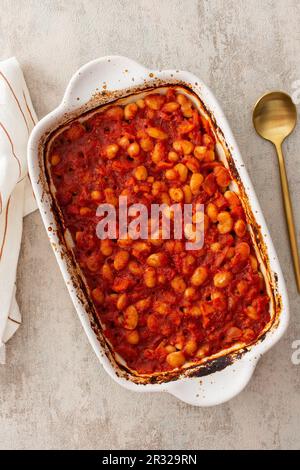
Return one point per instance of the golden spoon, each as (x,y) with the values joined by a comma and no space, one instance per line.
(274,118)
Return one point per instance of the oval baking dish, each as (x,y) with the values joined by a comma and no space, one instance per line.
(116,78)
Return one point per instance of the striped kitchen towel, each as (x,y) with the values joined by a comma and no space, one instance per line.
(17,118)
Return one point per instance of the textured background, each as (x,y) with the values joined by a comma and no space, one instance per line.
(53,392)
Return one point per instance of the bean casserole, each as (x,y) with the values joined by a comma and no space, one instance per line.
(161,307)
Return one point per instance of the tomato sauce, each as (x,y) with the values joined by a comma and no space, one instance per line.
(161,306)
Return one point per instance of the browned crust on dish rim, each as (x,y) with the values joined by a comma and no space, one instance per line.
(208,365)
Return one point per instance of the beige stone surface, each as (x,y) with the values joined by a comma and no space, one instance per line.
(53,392)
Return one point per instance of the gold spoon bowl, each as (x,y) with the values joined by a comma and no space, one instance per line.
(274,118)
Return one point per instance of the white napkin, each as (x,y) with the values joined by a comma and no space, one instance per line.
(17,118)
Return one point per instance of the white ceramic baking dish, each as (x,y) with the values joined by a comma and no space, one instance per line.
(102,81)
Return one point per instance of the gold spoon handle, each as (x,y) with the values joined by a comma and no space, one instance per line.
(289,214)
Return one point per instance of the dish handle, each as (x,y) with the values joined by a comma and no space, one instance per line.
(216,388)
(103,75)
